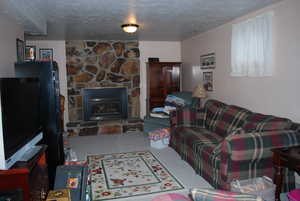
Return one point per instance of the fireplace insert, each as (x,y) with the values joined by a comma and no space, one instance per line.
(105,103)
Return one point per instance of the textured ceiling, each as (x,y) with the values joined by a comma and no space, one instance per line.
(101,19)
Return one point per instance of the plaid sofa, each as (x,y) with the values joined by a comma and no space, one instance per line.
(226,142)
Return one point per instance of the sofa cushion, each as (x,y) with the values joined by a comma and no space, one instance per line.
(261,122)
(231,118)
(213,109)
(196,145)
(200,137)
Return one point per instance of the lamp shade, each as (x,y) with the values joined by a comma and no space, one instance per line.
(199,92)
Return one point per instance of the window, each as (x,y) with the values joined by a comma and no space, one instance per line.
(251,47)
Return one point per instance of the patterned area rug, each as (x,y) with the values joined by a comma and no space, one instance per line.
(124,175)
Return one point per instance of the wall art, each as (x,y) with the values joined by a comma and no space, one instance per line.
(208,81)
(208,61)
(30,53)
(46,54)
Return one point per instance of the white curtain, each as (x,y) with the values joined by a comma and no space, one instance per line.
(251,47)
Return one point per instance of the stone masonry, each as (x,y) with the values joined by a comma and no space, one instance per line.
(102,64)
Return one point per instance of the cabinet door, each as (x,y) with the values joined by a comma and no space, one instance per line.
(171,76)
(164,79)
(156,86)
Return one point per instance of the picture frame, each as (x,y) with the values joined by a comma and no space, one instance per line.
(208,81)
(46,54)
(30,53)
(208,61)
(20,50)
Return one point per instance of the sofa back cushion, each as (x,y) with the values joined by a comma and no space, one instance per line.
(261,122)
(213,109)
(231,118)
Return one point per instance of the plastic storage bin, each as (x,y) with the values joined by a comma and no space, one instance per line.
(261,186)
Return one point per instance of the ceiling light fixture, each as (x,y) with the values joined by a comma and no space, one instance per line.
(130,28)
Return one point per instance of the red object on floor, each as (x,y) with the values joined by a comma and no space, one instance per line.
(294,195)
(171,197)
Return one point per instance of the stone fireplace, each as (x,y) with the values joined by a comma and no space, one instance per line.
(100,65)
(105,103)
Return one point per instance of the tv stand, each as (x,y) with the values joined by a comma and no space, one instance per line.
(30,176)
(30,153)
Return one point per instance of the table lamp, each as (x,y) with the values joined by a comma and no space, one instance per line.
(199,93)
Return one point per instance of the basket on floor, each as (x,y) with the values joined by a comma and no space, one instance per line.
(160,138)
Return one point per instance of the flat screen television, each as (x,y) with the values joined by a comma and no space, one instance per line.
(20,124)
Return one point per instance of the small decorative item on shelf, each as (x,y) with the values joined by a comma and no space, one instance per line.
(30,53)
(20,50)
(208,61)
(153,59)
(46,54)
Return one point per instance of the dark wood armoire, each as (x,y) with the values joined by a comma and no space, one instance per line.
(163,78)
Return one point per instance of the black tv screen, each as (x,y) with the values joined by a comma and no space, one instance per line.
(20,105)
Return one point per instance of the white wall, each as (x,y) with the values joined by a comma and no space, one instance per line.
(277,95)
(9,32)
(59,55)
(165,51)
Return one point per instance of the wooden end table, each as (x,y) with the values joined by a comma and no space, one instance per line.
(285,158)
(31,177)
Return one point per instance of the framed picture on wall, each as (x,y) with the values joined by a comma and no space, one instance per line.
(46,54)
(208,61)
(208,81)
(30,53)
(20,50)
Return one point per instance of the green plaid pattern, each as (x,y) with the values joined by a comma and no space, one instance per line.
(187,117)
(220,159)
(261,122)
(231,118)
(213,109)
(249,155)
(196,145)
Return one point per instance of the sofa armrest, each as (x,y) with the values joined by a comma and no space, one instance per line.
(187,117)
(249,155)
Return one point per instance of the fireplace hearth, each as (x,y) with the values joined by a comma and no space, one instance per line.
(105,103)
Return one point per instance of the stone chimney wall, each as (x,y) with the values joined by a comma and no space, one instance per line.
(102,64)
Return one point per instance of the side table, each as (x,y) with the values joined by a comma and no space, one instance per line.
(285,158)
(30,177)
